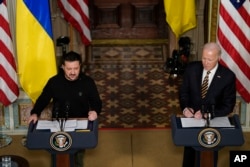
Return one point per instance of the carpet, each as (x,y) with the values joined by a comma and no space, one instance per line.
(135,90)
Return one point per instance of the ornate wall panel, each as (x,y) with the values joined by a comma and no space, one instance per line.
(145,15)
(107,16)
(128,19)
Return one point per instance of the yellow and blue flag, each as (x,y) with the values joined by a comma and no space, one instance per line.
(180,15)
(35,47)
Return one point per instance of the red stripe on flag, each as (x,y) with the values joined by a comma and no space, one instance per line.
(236,45)
(4,98)
(234,27)
(244,14)
(7,54)
(9,90)
(242,91)
(82,13)
(4,24)
(233,53)
(80,24)
(240,88)
(11,84)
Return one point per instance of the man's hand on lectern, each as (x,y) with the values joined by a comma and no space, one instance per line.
(33,118)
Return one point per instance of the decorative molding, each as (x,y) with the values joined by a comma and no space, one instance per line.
(47,112)
(127,54)
(24,109)
(145,15)
(128,41)
(107,16)
(24,113)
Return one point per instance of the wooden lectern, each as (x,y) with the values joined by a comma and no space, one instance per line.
(72,142)
(207,140)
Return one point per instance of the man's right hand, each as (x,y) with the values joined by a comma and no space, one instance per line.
(188,112)
(33,118)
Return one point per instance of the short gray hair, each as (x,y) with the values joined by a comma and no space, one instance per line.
(212,46)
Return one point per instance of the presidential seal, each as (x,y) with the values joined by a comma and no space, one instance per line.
(60,141)
(209,137)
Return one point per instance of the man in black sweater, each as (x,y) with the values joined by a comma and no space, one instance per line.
(69,90)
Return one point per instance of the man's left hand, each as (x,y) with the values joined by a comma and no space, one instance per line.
(92,115)
(198,115)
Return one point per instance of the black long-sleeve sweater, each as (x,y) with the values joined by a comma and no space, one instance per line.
(80,96)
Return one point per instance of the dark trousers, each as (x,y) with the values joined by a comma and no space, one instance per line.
(191,157)
(79,156)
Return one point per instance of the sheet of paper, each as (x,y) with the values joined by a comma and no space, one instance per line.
(54,126)
(82,124)
(192,122)
(44,124)
(215,122)
(221,122)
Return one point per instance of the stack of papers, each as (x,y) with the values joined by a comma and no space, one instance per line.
(69,126)
(215,122)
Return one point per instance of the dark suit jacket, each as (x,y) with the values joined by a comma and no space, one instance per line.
(221,92)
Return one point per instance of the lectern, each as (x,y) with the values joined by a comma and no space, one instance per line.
(207,140)
(63,145)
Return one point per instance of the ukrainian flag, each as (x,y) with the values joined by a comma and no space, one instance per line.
(35,47)
(180,15)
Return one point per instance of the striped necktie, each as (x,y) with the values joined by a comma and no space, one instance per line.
(204,86)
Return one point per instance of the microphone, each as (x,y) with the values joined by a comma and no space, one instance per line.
(66,115)
(208,119)
(210,111)
(206,114)
(202,110)
(213,110)
(56,110)
(67,107)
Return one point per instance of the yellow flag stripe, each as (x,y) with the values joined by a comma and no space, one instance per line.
(35,52)
(180,15)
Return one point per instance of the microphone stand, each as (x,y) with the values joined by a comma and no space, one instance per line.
(64,119)
(61,124)
(208,119)
(209,115)
(58,118)
(61,117)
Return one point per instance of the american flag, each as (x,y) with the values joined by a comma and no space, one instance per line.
(233,35)
(76,12)
(9,90)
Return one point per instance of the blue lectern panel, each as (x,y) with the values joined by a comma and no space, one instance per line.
(232,136)
(82,139)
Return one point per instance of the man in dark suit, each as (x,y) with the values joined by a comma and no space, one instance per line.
(220,94)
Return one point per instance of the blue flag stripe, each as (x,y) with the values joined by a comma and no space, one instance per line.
(237,3)
(42,14)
